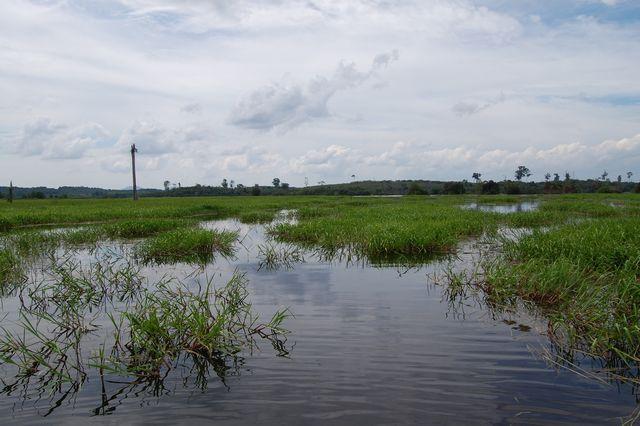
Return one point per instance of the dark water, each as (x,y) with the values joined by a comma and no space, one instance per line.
(524,206)
(370,346)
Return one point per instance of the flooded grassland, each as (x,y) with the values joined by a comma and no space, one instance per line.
(315,309)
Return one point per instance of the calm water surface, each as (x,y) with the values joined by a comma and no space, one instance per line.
(370,346)
(524,206)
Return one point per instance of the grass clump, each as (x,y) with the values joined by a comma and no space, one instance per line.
(257,216)
(585,276)
(413,228)
(129,229)
(207,323)
(10,267)
(191,245)
(52,346)
(273,257)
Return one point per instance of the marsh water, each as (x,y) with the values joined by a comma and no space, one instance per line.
(368,345)
(524,206)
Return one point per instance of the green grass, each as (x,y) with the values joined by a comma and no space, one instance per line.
(53,345)
(207,323)
(380,229)
(10,266)
(60,212)
(191,245)
(273,257)
(257,216)
(413,228)
(130,229)
(585,276)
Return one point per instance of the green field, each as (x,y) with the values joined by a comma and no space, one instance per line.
(578,263)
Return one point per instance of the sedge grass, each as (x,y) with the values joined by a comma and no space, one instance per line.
(131,229)
(207,323)
(10,267)
(190,245)
(273,257)
(387,230)
(586,278)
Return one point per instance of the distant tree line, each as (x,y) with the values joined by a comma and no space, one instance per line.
(41,192)
(552,184)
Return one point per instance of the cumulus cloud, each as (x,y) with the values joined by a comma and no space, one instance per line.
(48,139)
(323,160)
(247,159)
(414,160)
(283,105)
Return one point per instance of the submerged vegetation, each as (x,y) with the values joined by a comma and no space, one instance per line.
(206,323)
(273,257)
(151,328)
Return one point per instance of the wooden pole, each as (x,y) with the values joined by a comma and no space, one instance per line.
(10,198)
(133,169)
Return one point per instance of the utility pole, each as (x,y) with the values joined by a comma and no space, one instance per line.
(133,169)
(10,198)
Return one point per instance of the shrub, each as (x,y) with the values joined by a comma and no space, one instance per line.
(490,187)
(416,189)
(512,188)
(454,188)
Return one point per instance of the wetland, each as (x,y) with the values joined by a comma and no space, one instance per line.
(345,309)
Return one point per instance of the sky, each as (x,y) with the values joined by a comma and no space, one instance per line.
(316,89)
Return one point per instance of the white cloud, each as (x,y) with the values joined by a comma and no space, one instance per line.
(417,160)
(436,17)
(248,159)
(288,105)
(320,158)
(43,137)
(168,74)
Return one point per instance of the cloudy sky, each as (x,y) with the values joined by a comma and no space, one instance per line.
(380,89)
